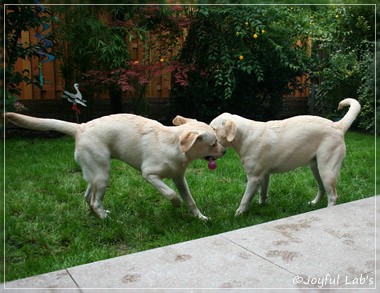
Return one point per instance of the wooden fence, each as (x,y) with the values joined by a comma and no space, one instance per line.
(48,74)
(52,83)
(158,89)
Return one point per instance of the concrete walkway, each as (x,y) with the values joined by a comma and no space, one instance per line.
(327,248)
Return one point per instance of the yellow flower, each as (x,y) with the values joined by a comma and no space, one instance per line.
(162,60)
(246,23)
(241,57)
(263,31)
(255,36)
(337,16)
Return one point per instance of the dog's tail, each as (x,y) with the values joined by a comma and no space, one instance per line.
(351,115)
(42,124)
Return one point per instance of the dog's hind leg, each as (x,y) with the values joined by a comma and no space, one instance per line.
(329,182)
(330,187)
(96,172)
(97,189)
(321,188)
(329,167)
(264,189)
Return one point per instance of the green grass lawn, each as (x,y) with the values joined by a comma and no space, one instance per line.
(49,226)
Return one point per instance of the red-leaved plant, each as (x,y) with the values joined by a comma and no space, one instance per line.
(136,75)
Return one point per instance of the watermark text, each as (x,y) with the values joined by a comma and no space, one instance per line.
(330,280)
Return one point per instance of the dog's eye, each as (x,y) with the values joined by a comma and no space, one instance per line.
(215,144)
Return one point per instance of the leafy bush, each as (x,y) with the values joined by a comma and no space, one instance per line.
(244,60)
(343,59)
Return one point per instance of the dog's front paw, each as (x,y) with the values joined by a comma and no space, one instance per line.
(239,212)
(313,202)
(103,214)
(203,218)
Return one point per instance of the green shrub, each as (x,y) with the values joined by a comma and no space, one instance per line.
(244,58)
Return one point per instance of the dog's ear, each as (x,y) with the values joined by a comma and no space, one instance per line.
(188,139)
(179,120)
(230,128)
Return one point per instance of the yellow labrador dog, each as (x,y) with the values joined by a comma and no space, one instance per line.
(157,151)
(280,146)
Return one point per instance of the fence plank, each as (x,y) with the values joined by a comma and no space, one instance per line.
(158,87)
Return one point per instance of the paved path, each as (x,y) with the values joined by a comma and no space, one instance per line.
(327,248)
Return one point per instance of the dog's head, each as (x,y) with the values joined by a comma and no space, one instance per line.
(198,140)
(225,129)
